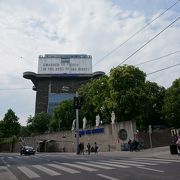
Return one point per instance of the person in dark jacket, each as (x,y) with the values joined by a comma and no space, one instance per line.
(89,148)
(95,148)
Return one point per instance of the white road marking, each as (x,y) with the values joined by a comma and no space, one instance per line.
(136,162)
(79,166)
(10,157)
(153,161)
(95,165)
(123,163)
(29,173)
(18,156)
(2,159)
(46,170)
(5,163)
(107,177)
(6,174)
(150,169)
(110,164)
(158,159)
(66,169)
(71,157)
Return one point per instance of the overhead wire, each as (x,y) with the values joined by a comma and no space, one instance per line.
(162,69)
(137,32)
(149,41)
(161,57)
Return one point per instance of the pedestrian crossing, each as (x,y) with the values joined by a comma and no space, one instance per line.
(28,172)
(56,168)
(110,164)
(63,168)
(46,170)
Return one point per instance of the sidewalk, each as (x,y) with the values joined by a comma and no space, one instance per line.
(159,152)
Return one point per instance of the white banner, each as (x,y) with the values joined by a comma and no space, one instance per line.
(61,64)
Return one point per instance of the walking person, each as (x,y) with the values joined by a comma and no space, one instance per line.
(89,148)
(82,148)
(178,144)
(95,148)
(130,145)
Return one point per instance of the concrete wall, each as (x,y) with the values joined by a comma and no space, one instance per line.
(160,137)
(66,140)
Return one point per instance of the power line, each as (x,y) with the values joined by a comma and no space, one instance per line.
(137,32)
(149,41)
(157,58)
(163,69)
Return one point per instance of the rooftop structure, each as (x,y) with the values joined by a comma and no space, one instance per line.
(61,63)
(59,77)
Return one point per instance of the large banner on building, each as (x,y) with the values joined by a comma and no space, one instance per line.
(65,64)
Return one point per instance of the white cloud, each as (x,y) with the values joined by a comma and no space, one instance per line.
(30,28)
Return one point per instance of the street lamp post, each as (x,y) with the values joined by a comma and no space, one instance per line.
(150,133)
(77,127)
(78,101)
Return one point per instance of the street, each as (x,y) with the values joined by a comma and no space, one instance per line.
(69,166)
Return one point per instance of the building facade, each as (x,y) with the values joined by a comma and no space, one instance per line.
(59,77)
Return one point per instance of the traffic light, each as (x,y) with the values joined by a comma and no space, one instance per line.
(78,102)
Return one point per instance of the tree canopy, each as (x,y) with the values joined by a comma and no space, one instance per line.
(63,116)
(9,126)
(95,99)
(171,106)
(152,106)
(126,91)
(40,122)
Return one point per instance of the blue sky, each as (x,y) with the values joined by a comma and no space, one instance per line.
(29,28)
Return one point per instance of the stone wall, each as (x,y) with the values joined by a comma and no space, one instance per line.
(66,140)
(160,137)
(107,140)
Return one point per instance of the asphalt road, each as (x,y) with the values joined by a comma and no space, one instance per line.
(53,166)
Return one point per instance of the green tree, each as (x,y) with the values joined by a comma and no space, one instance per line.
(153,101)
(126,90)
(2,129)
(63,116)
(95,95)
(40,122)
(29,129)
(29,120)
(10,126)
(24,132)
(171,106)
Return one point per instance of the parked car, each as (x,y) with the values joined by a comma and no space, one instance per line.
(27,150)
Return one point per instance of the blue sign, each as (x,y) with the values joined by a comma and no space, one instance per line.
(91,131)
